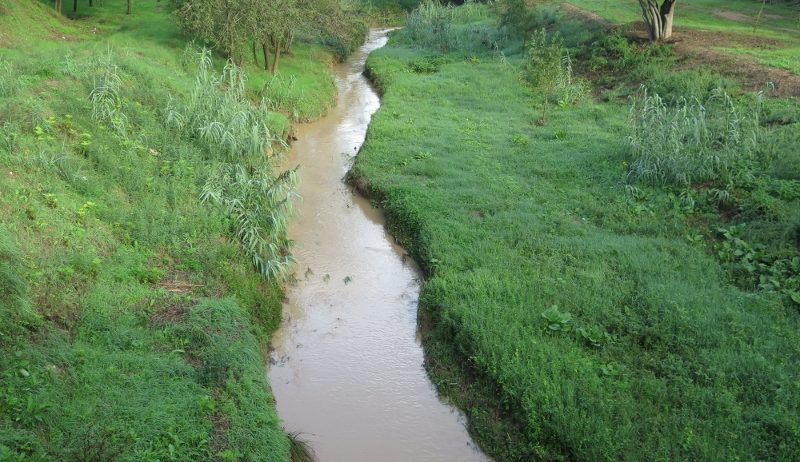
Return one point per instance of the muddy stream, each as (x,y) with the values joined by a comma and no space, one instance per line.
(347,366)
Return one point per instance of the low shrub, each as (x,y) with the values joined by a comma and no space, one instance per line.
(548,71)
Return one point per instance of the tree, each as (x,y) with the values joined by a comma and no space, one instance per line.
(543,68)
(272,23)
(228,25)
(658,18)
(220,23)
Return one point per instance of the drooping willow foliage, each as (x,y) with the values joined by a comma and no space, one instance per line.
(259,203)
(242,179)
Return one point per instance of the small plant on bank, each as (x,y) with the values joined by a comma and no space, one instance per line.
(548,72)
(556,320)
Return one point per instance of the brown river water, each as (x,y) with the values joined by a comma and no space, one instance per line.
(347,366)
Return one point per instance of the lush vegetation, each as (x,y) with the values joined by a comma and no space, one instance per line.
(271,25)
(139,205)
(618,281)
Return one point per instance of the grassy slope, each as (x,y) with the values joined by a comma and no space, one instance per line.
(130,327)
(510,219)
(779,21)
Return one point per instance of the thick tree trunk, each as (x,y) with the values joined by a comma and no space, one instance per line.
(667,14)
(129,7)
(58,6)
(658,19)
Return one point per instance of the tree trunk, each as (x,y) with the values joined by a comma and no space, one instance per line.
(276,58)
(255,55)
(91,2)
(265,49)
(75,6)
(287,45)
(129,7)
(58,6)
(658,19)
(667,14)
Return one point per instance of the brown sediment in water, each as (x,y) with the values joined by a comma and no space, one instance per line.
(347,365)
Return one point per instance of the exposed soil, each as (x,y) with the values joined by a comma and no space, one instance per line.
(732,15)
(177,284)
(171,314)
(56,35)
(573,11)
(696,47)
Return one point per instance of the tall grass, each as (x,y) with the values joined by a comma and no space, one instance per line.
(444,28)
(15,304)
(283,93)
(693,141)
(9,80)
(220,115)
(106,98)
(238,139)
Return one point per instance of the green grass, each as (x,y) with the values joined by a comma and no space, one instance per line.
(779,23)
(131,326)
(661,356)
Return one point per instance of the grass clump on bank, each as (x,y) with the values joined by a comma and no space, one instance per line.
(577,311)
(132,319)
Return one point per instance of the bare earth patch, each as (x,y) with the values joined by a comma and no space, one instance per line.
(695,47)
(170,314)
(177,284)
(732,15)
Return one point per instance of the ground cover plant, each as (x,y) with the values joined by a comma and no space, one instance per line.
(132,312)
(576,306)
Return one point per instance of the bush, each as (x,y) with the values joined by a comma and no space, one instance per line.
(616,52)
(548,71)
(694,141)
(673,86)
(520,20)
(445,28)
